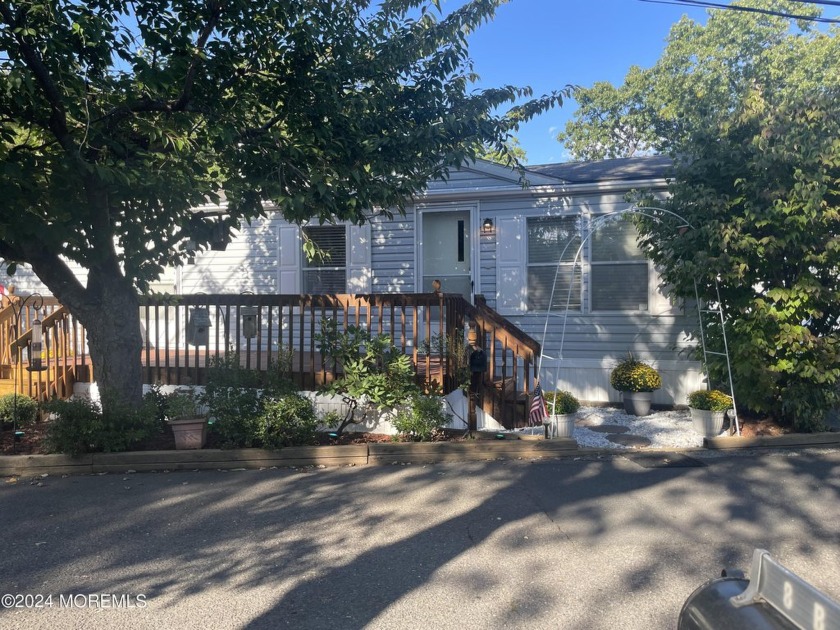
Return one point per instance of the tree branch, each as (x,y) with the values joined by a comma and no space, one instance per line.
(58,117)
(189,80)
(47,265)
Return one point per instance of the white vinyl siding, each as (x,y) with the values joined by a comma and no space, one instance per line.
(620,278)
(552,245)
(327,273)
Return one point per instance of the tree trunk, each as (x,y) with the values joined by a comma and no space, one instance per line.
(109,310)
(113,331)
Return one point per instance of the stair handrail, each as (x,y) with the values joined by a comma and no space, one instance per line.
(7,319)
(49,322)
(480,311)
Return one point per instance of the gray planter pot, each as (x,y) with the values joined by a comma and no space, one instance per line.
(564,424)
(707,423)
(190,433)
(637,403)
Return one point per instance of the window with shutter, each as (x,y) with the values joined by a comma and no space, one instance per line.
(552,245)
(327,274)
(620,278)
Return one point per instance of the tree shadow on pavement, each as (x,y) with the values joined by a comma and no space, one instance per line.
(557,543)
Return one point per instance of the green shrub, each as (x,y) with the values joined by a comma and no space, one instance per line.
(288,420)
(376,373)
(80,426)
(233,397)
(331,419)
(182,404)
(27,410)
(561,402)
(422,418)
(75,427)
(710,400)
(635,376)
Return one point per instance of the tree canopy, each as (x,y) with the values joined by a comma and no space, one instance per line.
(747,107)
(118,118)
(704,74)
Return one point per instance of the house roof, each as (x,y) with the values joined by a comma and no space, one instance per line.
(642,167)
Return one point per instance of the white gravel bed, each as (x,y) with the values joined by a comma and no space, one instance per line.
(664,429)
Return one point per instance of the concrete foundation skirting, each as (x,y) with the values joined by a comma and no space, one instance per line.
(214,459)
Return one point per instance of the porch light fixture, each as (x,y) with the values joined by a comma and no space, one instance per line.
(487,226)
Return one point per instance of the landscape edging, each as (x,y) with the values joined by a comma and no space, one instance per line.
(297,456)
(789,440)
(372,453)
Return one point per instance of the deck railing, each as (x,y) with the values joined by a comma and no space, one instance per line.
(265,329)
(183,334)
(512,369)
(422,325)
(63,348)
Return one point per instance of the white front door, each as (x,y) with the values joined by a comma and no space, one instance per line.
(447,252)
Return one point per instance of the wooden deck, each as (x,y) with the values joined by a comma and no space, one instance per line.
(254,327)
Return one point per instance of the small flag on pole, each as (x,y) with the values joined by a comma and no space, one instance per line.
(538,408)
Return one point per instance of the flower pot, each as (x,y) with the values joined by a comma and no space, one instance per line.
(564,424)
(637,403)
(707,423)
(190,433)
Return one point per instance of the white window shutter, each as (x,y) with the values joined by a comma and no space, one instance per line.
(511,285)
(289,260)
(358,263)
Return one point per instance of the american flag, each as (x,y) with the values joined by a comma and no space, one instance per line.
(538,408)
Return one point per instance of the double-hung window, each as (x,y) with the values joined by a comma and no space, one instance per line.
(553,279)
(327,271)
(619,268)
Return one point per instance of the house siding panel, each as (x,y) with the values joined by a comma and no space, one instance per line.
(392,254)
(249,263)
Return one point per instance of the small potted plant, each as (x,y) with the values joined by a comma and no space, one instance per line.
(186,416)
(562,407)
(708,408)
(637,381)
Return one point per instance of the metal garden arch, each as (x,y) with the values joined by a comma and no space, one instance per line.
(646,211)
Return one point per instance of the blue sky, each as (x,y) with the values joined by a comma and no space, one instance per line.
(550,43)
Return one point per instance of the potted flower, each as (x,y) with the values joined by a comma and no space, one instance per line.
(562,407)
(188,420)
(637,380)
(708,408)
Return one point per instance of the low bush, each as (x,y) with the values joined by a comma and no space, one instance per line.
(27,410)
(423,417)
(288,420)
(80,426)
(233,397)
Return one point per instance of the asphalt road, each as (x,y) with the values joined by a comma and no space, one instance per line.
(603,543)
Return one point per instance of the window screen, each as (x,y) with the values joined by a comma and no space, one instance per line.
(619,269)
(553,243)
(327,274)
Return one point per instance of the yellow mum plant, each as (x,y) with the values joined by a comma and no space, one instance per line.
(632,375)
(711,400)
